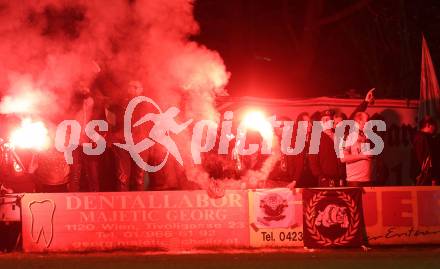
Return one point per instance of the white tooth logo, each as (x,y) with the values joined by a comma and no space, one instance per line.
(42,213)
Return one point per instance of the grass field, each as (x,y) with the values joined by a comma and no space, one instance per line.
(401,258)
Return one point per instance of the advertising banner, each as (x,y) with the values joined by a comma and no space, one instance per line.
(163,220)
(275,218)
(402,215)
(392,216)
(190,219)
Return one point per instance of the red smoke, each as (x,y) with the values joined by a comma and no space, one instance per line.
(50,47)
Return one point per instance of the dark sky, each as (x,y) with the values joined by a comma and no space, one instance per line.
(293,48)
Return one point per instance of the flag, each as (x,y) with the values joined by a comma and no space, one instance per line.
(429,103)
(332,217)
(274,208)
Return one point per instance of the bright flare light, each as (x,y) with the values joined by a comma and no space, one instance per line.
(257,121)
(30,135)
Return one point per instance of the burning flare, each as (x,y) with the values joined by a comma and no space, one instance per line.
(257,121)
(30,135)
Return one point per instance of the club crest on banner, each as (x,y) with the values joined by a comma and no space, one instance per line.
(274,209)
(332,217)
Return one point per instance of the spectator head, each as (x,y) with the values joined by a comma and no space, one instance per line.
(361,118)
(428,125)
(377,117)
(327,115)
(279,131)
(316,116)
(304,116)
(338,118)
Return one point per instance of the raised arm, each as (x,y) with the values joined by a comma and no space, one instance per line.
(369,99)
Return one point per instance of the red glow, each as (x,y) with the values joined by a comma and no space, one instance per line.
(30,135)
(257,121)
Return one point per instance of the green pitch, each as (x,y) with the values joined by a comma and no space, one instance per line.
(414,258)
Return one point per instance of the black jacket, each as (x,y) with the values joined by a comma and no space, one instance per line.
(424,145)
(326,164)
